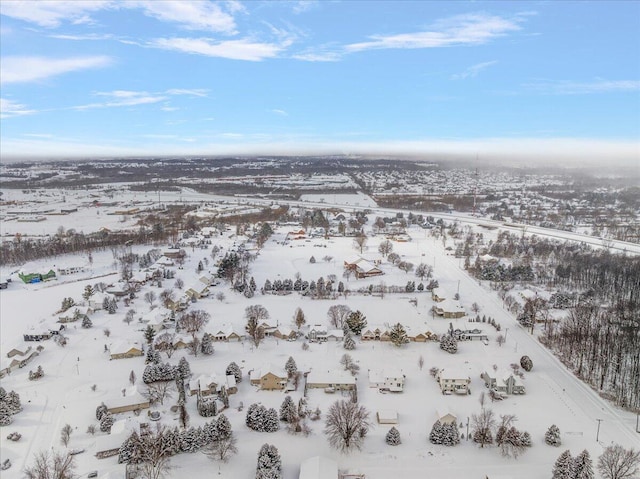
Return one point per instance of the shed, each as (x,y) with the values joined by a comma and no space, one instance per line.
(387,416)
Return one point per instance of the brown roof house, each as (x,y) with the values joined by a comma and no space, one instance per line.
(269,378)
(126,349)
(129,400)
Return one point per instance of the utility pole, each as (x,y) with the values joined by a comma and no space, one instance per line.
(598,432)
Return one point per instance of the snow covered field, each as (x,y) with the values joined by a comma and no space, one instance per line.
(64,395)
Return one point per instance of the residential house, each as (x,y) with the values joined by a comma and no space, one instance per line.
(335,335)
(208,385)
(330,381)
(317,334)
(470,332)
(387,379)
(505,383)
(37,336)
(269,378)
(109,445)
(450,309)
(375,333)
(438,295)
(197,290)
(284,332)
(422,336)
(445,417)
(174,253)
(131,400)
(363,268)
(318,467)
(19,358)
(227,334)
(453,381)
(125,349)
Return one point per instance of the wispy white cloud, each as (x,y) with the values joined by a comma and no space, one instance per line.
(51,14)
(38,135)
(118,98)
(302,6)
(473,70)
(200,92)
(198,15)
(279,112)
(19,69)
(190,15)
(469,29)
(169,108)
(243,49)
(9,108)
(86,37)
(583,88)
(321,54)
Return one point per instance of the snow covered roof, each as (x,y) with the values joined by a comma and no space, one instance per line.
(380,375)
(387,415)
(132,396)
(330,377)
(124,346)
(318,467)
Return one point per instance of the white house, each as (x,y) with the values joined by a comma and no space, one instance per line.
(387,379)
(446,417)
(502,382)
(453,381)
(317,333)
(331,381)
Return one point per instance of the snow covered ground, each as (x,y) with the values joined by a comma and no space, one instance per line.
(65,393)
(357,199)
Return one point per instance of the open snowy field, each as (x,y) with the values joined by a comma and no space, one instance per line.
(64,395)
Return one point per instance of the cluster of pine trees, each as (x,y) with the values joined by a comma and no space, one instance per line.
(261,419)
(9,406)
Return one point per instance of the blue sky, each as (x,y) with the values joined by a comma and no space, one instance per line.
(530,79)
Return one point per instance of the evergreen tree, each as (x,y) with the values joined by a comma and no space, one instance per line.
(223,395)
(234,369)
(149,334)
(436,436)
(526,363)
(582,466)
(153,356)
(206,346)
(271,423)
(398,335)
(223,427)
(269,463)
(451,436)
(552,436)
(105,303)
(207,406)
(106,422)
(88,292)
(86,322)
(288,412)
(449,344)
(189,440)
(563,468)
(291,367)
(184,370)
(526,439)
(112,306)
(348,342)
(101,410)
(393,437)
(357,322)
(129,452)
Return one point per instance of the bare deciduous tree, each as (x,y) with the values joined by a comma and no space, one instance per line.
(65,434)
(385,248)
(255,314)
(483,425)
(193,321)
(221,449)
(360,242)
(338,314)
(51,465)
(159,391)
(346,425)
(616,462)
